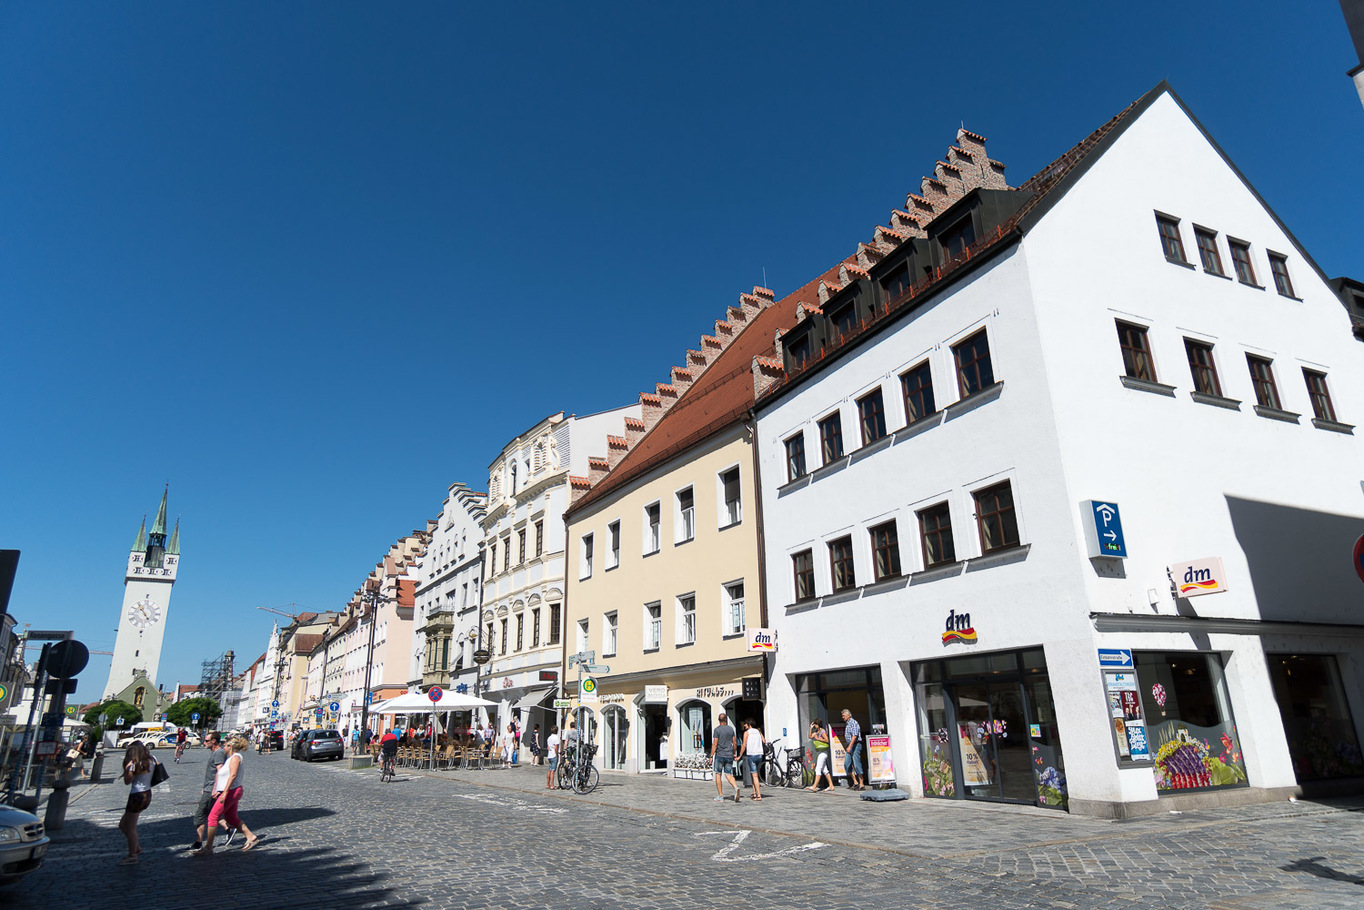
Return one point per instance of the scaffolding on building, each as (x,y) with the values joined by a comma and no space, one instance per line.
(216,680)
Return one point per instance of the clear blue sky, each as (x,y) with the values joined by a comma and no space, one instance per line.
(312,262)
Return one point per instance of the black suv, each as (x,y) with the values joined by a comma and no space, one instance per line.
(315,744)
(273,740)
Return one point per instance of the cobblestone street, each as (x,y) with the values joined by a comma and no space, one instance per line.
(334,838)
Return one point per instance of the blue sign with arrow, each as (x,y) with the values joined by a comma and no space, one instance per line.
(1115,657)
(1103,529)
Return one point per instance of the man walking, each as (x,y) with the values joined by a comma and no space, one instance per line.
(215,761)
(852,736)
(722,758)
(552,756)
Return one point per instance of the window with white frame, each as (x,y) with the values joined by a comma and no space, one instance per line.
(686,516)
(653,626)
(613,536)
(583,639)
(608,635)
(734,608)
(686,619)
(731,507)
(585,558)
(651,524)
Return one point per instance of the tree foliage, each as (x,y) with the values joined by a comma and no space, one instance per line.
(182,712)
(115,709)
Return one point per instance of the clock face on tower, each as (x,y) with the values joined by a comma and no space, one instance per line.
(146,612)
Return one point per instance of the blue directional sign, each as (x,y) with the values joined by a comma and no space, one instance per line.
(462,688)
(1115,657)
(194,718)
(369,698)
(1103,529)
(334,707)
(275,703)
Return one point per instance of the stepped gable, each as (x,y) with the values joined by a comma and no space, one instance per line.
(1044,188)
(717,398)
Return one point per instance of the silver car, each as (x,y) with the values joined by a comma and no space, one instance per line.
(23,844)
(315,744)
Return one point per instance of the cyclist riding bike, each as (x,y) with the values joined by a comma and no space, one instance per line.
(388,748)
(180,739)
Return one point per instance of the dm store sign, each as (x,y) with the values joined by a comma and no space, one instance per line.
(1202,576)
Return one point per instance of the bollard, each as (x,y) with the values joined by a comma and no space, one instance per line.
(97,766)
(55,816)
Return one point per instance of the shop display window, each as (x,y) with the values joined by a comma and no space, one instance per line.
(1191,732)
(694,717)
(1316,718)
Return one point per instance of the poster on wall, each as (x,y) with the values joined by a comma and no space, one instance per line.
(975,772)
(881,766)
(1127,716)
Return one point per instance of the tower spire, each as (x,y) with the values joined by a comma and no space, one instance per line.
(173,548)
(141,543)
(159,525)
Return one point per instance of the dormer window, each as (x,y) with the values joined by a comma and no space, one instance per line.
(957,238)
(799,350)
(897,282)
(844,319)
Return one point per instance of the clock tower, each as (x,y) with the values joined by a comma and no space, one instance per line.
(152,565)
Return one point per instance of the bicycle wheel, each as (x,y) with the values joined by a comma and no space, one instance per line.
(563,777)
(795,774)
(586,780)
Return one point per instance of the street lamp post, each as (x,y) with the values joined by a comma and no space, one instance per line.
(373,596)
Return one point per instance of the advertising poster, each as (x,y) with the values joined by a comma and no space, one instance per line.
(1129,721)
(837,754)
(881,767)
(974,770)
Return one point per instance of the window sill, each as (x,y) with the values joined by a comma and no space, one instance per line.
(1217,401)
(973,401)
(684,644)
(1333,426)
(1290,297)
(732,635)
(891,583)
(1251,284)
(1147,385)
(1207,271)
(838,597)
(1001,557)
(651,553)
(732,524)
(1182,264)
(802,606)
(1276,414)
(871,448)
(606,654)
(651,650)
(611,568)
(941,570)
(832,467)
(910,430)
(678,543)
(795,484)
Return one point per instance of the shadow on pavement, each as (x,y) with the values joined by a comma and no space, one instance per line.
(82,870)
(1313,866)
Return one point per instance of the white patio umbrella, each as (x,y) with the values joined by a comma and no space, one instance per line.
(420,703)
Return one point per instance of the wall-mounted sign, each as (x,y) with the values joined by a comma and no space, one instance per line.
(1201,576)
(655,695)
(1127,716)
(1103,529)
(762,640)
(549,676)
(959,629)
(1115,657)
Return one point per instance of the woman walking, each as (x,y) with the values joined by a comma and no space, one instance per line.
(227,794)
(819,743)
(137,771)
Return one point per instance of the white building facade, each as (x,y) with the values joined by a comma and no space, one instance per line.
(1132,335)
(449,580)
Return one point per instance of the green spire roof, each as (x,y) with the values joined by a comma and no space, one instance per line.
(159,525)
(173,548)
(141,543)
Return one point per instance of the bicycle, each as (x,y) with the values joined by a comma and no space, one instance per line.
(387,768)
(774,774)
(576,771)
(179,751)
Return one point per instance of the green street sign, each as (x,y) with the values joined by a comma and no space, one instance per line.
(562,703)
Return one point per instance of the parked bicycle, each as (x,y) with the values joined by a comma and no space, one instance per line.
(787,771)
(576,771)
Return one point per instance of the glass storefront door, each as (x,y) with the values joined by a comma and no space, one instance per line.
(988,729)
(613,719)
(1316,718)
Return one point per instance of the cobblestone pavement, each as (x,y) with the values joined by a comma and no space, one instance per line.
(335,838)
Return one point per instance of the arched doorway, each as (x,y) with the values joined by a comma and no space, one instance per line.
(617,728)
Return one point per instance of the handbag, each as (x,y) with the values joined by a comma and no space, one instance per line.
(159,773)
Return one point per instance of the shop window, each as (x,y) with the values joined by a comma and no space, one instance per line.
(694,724)
(617,728)
(1322,740)
(1189,725)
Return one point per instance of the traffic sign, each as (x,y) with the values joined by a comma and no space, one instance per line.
(1115,657)
(1103,529)
(435,693)
(561,703)
(4,692)
(334,707)
(589,689)
(600,669)
(369,698)
(482,656)
(194,718)
(70,710)
(318,712)
(582,657)
(275,703)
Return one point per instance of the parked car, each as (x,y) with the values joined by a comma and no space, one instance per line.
(23,844)
(315,744)
(274,739)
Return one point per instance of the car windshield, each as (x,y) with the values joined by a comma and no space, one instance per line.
(327,734)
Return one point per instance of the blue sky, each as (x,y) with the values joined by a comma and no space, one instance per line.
(312,262)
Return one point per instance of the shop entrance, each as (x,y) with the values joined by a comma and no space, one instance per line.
(655,752)
(988,729)
(1316,718)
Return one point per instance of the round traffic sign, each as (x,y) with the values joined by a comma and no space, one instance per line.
(275,703)
(1359,558)
(4,692)
(589,685)
(482,656)
(334,707)
(435,694)
(67,658)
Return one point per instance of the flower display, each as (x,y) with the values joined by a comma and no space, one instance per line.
(1188,764)
(1051,787)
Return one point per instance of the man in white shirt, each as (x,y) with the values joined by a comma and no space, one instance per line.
(551,756)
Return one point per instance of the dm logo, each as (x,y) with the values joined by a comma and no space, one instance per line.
(959,629)
(1202,576)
